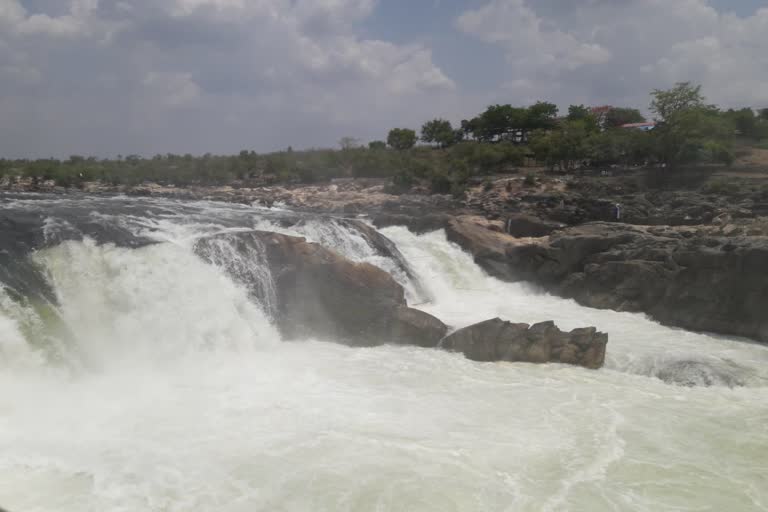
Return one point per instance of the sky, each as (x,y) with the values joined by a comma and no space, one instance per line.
(120,77)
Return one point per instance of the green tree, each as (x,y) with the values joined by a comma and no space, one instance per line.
(682,97)
(401,138)
(345,143)
(438,131)
(744,121)
(469,127)
(488,158)
(690,134)
(505,122)
(541,115)
(690,130)
(492,124)
(377,145)
(564,146)
(582,114)
(577,112)
(620,116)
(622,147)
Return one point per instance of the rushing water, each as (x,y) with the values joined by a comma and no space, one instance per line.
(149,377)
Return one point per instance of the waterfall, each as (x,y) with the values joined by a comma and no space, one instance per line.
(243,258)
(465,294)
(140,370)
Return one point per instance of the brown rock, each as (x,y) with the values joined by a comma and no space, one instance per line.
(488,247)
(526,226)
(321,294)
(497,340)
(413,327)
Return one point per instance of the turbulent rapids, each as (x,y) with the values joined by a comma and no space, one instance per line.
(141,368)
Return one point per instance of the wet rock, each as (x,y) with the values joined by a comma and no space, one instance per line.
(498,340)
(699,373)
(422,223)
(414,327)
(488,246)
(694,279)
(321,294)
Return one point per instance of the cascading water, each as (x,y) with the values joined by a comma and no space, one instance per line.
(176,395)
(466,295)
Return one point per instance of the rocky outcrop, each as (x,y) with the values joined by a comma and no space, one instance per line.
(527,226)
(497,340)
(410,326)
(488,246)
(322,294)
(420,223)
(685,198)
(682,277)
(687,277)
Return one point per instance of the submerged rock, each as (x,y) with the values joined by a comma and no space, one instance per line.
(498,340)
(691,373)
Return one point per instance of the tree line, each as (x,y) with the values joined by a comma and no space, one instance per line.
(688,131)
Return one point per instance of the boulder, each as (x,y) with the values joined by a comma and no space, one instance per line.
(488,246)
(498,340)
(383,247)
(526,226)
(418,223)
(414,327)
(681,276)
(321,294)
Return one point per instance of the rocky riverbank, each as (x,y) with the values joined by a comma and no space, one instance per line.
(693,277)
(690,249)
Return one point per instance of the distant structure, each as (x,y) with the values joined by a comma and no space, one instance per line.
(646,127)
(601,114)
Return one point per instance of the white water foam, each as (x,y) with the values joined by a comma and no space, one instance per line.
(465,295)
(189,403)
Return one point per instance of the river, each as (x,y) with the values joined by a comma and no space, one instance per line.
(137,375)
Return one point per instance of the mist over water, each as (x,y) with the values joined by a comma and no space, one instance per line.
(156,381)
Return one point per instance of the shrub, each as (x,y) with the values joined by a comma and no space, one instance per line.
(720,187)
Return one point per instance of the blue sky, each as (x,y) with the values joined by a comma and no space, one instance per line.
(107,77)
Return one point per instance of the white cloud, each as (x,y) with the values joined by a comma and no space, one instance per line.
(622,49)
(11,12)
(531,46)
(78,22)
(172,89)
(144,76)
(213,75)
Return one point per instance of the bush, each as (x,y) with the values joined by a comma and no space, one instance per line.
(440,184)
(720,187)
(458,190)
(719,153)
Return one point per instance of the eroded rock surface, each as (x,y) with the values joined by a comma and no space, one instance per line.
(321,294)
(692,277)
(498,340)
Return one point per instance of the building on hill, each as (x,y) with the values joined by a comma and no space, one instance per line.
(646,127)
(601,114)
